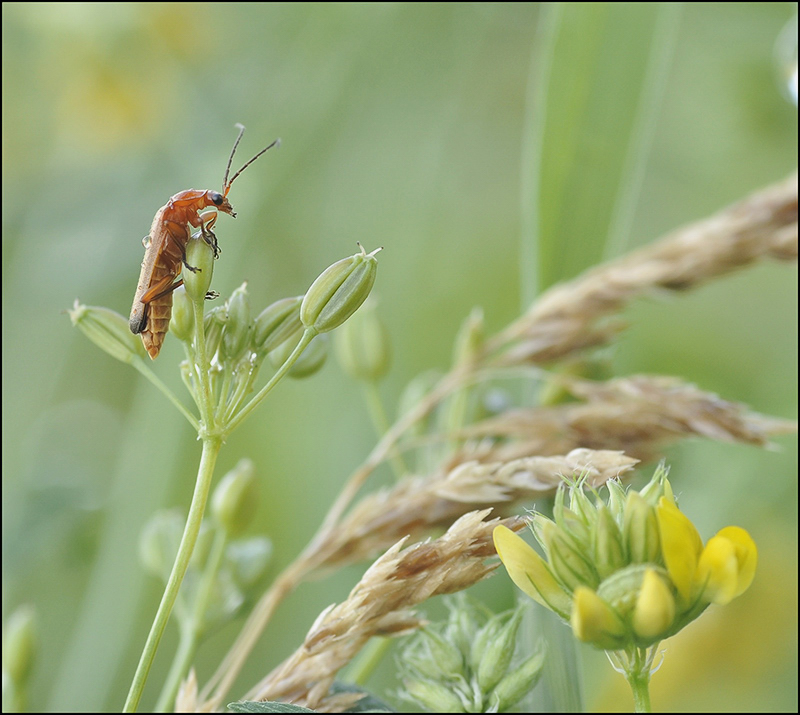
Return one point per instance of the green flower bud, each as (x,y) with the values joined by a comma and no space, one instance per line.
(608,548)
(237,331)
(567,562)
(213,325)
(497,656)
(234,501)
(277,323)
(249,558)
(484,637)
(108,330)
(569,521)
(339,291)
(158,542)
(616,499)
(443,656)
(654,489)
(182,321)
(19,645)
(434,697)
(200,256)
(362,345)
(640,529)
(518,683)
(311,359)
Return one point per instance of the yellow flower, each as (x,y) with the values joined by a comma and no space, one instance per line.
(529,572)
(716,573)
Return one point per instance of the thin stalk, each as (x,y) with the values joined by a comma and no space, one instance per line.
(202,365)
(143,369)
(367,660)
(380,422)
(205,472)
(193,628)
(308,336)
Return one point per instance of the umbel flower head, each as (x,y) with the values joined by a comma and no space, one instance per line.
(630,571)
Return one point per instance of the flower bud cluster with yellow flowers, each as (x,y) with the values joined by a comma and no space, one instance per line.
(630,571)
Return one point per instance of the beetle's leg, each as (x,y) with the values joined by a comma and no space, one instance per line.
(207,220)
(193,269)
(211,295)
(160,289)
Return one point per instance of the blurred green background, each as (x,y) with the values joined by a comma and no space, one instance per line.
(410,126)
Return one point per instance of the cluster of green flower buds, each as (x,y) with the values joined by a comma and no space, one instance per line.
(224,566)
(468,664)
(628,572)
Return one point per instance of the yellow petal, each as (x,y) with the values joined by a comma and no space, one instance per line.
(529,571)
(655,607)
(727,565)
(680,545)
(746,555)
(594,621)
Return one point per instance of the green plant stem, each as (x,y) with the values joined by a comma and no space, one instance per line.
(204,395)
(308,336)
(193,628)
(205,472)
(145,370)
(368,659)
(640,685)
(380,421)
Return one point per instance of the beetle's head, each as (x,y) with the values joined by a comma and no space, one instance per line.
(221,203)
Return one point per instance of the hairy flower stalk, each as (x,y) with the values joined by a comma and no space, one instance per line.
(628,572)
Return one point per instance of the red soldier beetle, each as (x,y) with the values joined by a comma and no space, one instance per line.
(165,252)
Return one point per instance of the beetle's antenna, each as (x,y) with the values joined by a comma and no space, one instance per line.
(227,183)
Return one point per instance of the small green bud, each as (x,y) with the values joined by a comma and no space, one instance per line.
(277,323)
(237,331)
(200,256)
(567,562)
(640,530)
(249,558)
(339,291)
(19,644)
(182,320)
(486,635)
(160,538)
(518,683)
(158,542)
(434,697)
(213,325)
(616,499)
(654,489)
(108,330)
(309,362)
(312,359)
(581,505)
(362,345)
(497,655)
(234,501)
(608,548)
(443,656)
